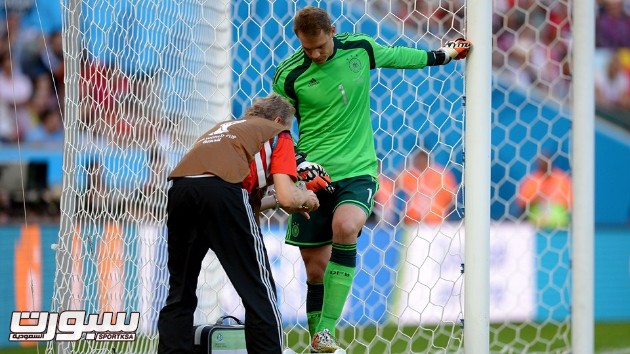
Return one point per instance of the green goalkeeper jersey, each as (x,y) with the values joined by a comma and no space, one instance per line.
(332,101)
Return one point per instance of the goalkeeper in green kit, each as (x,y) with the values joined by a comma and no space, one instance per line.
(328,82)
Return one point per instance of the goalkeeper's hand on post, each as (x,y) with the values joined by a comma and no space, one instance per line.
(313,175)
(455,49)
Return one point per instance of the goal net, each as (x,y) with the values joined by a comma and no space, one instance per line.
(143,79)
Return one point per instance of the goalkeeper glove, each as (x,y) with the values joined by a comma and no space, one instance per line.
(456,49)
(313,175)
(299,157)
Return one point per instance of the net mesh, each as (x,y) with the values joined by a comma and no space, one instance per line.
(146,78)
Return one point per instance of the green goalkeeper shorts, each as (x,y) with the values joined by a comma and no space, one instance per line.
(317,231)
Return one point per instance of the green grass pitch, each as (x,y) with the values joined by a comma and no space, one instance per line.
(609,338)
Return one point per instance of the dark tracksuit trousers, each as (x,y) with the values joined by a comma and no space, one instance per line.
(209,213)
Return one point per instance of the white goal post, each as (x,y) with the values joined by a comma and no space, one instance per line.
(477,178)
(144,78)
(583,291)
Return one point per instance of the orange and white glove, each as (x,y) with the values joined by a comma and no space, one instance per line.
(313,175)
(455,49)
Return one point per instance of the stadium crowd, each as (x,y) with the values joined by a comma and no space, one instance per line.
(532,41)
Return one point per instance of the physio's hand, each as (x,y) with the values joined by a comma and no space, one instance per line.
(314,176)
(310,203)
(457,49)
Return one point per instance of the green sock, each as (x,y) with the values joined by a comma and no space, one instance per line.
(313,319)
(314,300)
(337,283)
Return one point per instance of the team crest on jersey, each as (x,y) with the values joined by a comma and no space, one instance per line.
(354,64)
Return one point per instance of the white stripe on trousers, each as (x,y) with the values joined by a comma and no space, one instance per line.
(260,257)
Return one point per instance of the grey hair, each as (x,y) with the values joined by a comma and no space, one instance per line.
(271,107)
